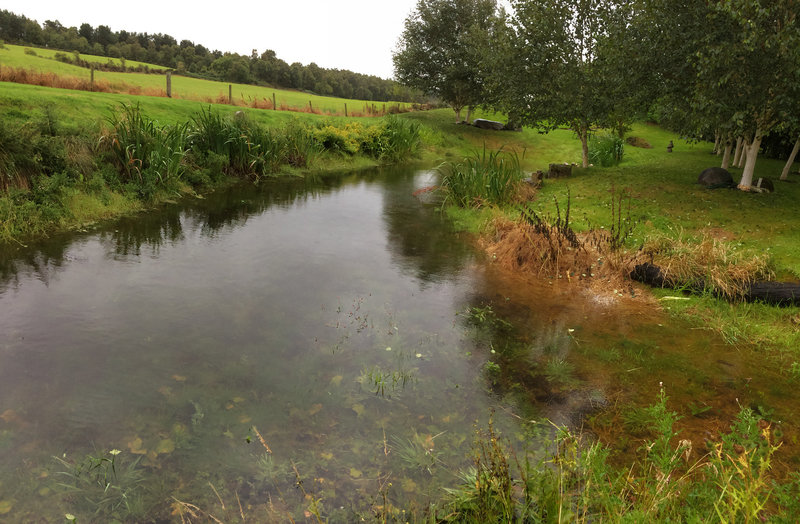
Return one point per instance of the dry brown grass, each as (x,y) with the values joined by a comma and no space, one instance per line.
(708,264)
(547,251)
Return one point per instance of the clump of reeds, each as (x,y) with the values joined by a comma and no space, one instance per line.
(484,178)
(708,264)
(606,150)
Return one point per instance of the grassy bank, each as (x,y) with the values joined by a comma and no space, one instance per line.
(69,158)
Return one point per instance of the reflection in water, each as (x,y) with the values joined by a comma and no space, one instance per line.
(340,320)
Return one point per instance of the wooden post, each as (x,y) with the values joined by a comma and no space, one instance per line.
(230,93)
(309,106)
(274,104)
(384,109)
(345,109)
(91,79)
(169,84)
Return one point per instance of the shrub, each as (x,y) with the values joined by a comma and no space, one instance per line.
(30,52)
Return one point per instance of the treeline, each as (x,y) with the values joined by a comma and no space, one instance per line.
(196,60)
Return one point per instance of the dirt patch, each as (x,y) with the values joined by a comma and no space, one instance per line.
(636,141)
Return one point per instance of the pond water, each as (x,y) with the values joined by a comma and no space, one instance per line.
(335,332)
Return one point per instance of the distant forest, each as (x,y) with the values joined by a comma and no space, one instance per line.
(190,59)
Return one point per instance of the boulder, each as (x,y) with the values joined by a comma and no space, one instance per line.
(765,185)
(715,177)
(488,124)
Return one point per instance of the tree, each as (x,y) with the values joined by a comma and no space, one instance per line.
(437,53)
(552,64)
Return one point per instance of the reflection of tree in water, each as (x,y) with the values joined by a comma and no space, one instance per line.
(152,229)
(41,260)
(418,236)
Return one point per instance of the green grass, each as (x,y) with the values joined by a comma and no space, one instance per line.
(186,87)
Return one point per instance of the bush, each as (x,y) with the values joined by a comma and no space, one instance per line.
(606,150)
(30,52)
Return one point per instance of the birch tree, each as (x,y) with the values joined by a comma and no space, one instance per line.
(438,54)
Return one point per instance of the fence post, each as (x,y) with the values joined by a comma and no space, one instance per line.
(91,79)
(274,105)
(230,93)
(310,108)
(345,109)
(169,84)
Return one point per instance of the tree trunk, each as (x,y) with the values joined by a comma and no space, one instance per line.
(750,164)
(726,157)
(788,166)
(716,143)
(458,114)
(743,156)
(584,135)
(469,114)
(738,152)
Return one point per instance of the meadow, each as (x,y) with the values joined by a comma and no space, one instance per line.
(43,63)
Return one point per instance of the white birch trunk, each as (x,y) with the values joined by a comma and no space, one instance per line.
(788,166)
(716,143)
(458,114)
(743,156)
(738,151)
(750,163)
(726,157)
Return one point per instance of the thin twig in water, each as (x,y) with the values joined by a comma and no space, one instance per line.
(217,494)
(261,439)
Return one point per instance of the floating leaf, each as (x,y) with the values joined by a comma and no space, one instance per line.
(326,456)
(355,473)
(335,381)
(315,409)
(358,408)
(244,419)
(229,405)
(165,446)
(179,378)
(228,433)
(238,400)
(165,390)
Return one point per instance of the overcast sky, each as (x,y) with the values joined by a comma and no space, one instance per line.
(358,35)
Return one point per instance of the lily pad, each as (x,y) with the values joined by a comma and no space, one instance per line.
(335,381)
(358,408)
(355,473)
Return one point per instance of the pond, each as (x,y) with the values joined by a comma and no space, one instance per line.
(311,346)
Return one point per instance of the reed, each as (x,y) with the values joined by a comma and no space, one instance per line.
(484,178)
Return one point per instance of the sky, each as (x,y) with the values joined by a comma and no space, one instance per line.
(358,35)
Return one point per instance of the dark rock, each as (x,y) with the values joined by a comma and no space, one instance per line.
(765,184)
(715,177)
(488,124)
(559,171)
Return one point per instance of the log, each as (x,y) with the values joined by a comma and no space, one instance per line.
(774,293)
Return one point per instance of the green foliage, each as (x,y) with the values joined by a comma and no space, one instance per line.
(149,157)
(606,149)
(102,487)
(574,480)
(485,178)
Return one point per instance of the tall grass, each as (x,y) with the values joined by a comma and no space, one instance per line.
(575,481)
(606,149)
(148,156)
(484,178)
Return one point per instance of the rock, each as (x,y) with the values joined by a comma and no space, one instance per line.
(559,170)
(488,124)
(765,185)
(715,177)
